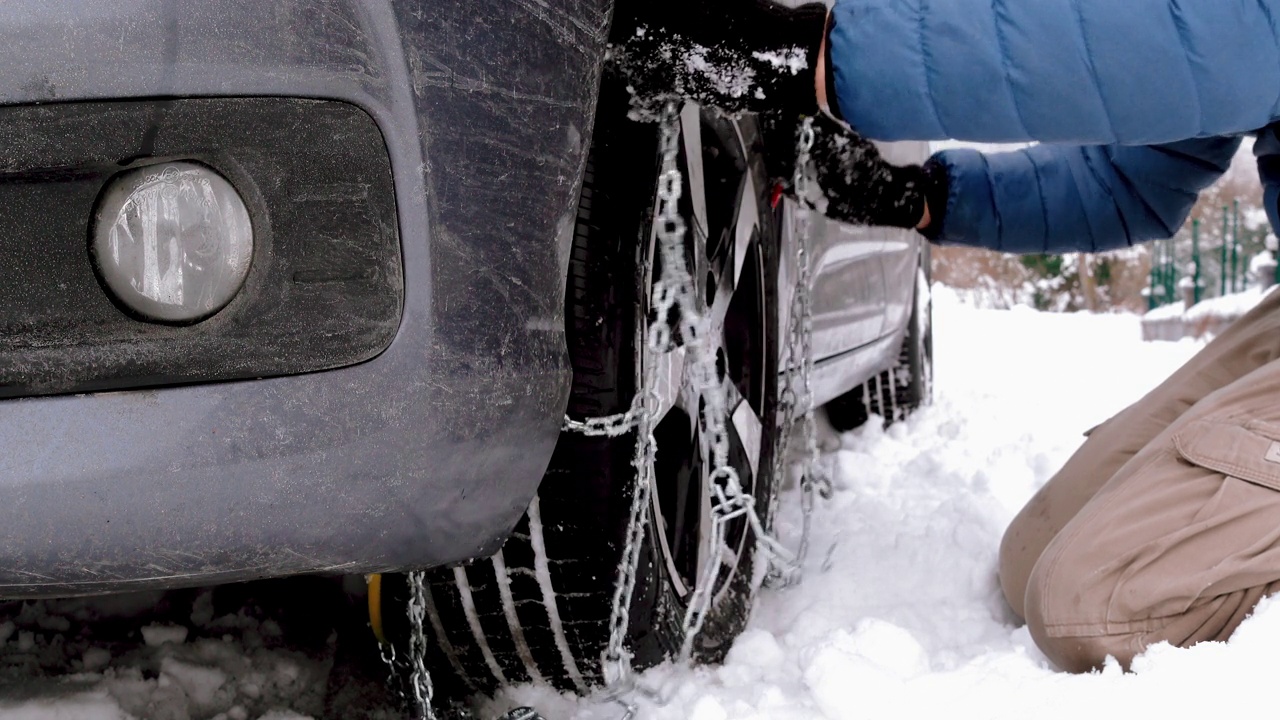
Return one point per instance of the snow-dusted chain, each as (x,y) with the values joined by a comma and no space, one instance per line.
(797,389)
(674,289)
(815,479)
(388,653)
(419,678)
(670,228)
(730,501)
(607,425)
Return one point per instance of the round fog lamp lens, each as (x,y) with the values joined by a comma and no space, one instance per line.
(173,242)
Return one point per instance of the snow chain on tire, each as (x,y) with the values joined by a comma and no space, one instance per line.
(674,290)
(798,391)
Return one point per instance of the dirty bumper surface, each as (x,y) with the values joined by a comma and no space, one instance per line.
(422,455)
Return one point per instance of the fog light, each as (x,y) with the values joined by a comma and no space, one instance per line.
(173,242)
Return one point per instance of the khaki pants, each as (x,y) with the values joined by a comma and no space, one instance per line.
(1165,525)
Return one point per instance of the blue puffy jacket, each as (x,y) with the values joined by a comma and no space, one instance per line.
(1140,103)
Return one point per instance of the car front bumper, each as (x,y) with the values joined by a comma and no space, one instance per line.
(424,455)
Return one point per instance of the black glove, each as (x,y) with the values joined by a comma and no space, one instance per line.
(858,186)
(736,55)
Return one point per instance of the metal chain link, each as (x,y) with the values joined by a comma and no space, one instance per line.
(419,678)
(797,390)
(813,479)
(670,230)
(607,425)
(421,690)
(388,653)
(674,290)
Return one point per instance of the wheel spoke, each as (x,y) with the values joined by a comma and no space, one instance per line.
(691,130)
(724,259)
(696,188)
(745,225)
(719,309)
(670,379)
(748,425)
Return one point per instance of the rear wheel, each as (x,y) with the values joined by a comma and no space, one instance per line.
(907,386)
(539,610)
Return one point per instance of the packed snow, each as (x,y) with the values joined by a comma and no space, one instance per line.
(1230,306)
(899,614)
(183,655)
(1233,305)
(1205,319)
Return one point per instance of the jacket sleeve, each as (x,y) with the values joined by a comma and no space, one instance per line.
(1088,72)
(1055,198)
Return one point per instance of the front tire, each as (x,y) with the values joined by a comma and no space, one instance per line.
(539,610)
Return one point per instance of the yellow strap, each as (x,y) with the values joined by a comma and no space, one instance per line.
(375,606)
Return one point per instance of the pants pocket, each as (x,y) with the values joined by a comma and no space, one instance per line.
(1248,450)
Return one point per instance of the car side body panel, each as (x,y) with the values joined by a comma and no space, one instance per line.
(864,284)
(849,290)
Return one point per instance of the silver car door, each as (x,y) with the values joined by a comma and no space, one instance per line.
(848,282)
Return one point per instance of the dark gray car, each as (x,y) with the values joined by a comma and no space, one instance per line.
(309,286)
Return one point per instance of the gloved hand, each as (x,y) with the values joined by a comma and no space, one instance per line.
(760,57)
(857,185)
(736,55)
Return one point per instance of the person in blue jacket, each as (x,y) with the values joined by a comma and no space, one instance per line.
(1165,525)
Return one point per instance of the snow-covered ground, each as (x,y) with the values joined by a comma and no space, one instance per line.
(1229,306)
(899,615)
(166,656)
(907,621)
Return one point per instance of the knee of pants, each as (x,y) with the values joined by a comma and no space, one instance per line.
(1075,652)
(1083,653)
(1014,564)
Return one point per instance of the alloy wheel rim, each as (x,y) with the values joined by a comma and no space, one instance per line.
(720,206)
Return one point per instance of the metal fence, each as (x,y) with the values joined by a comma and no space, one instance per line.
(1197,264)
